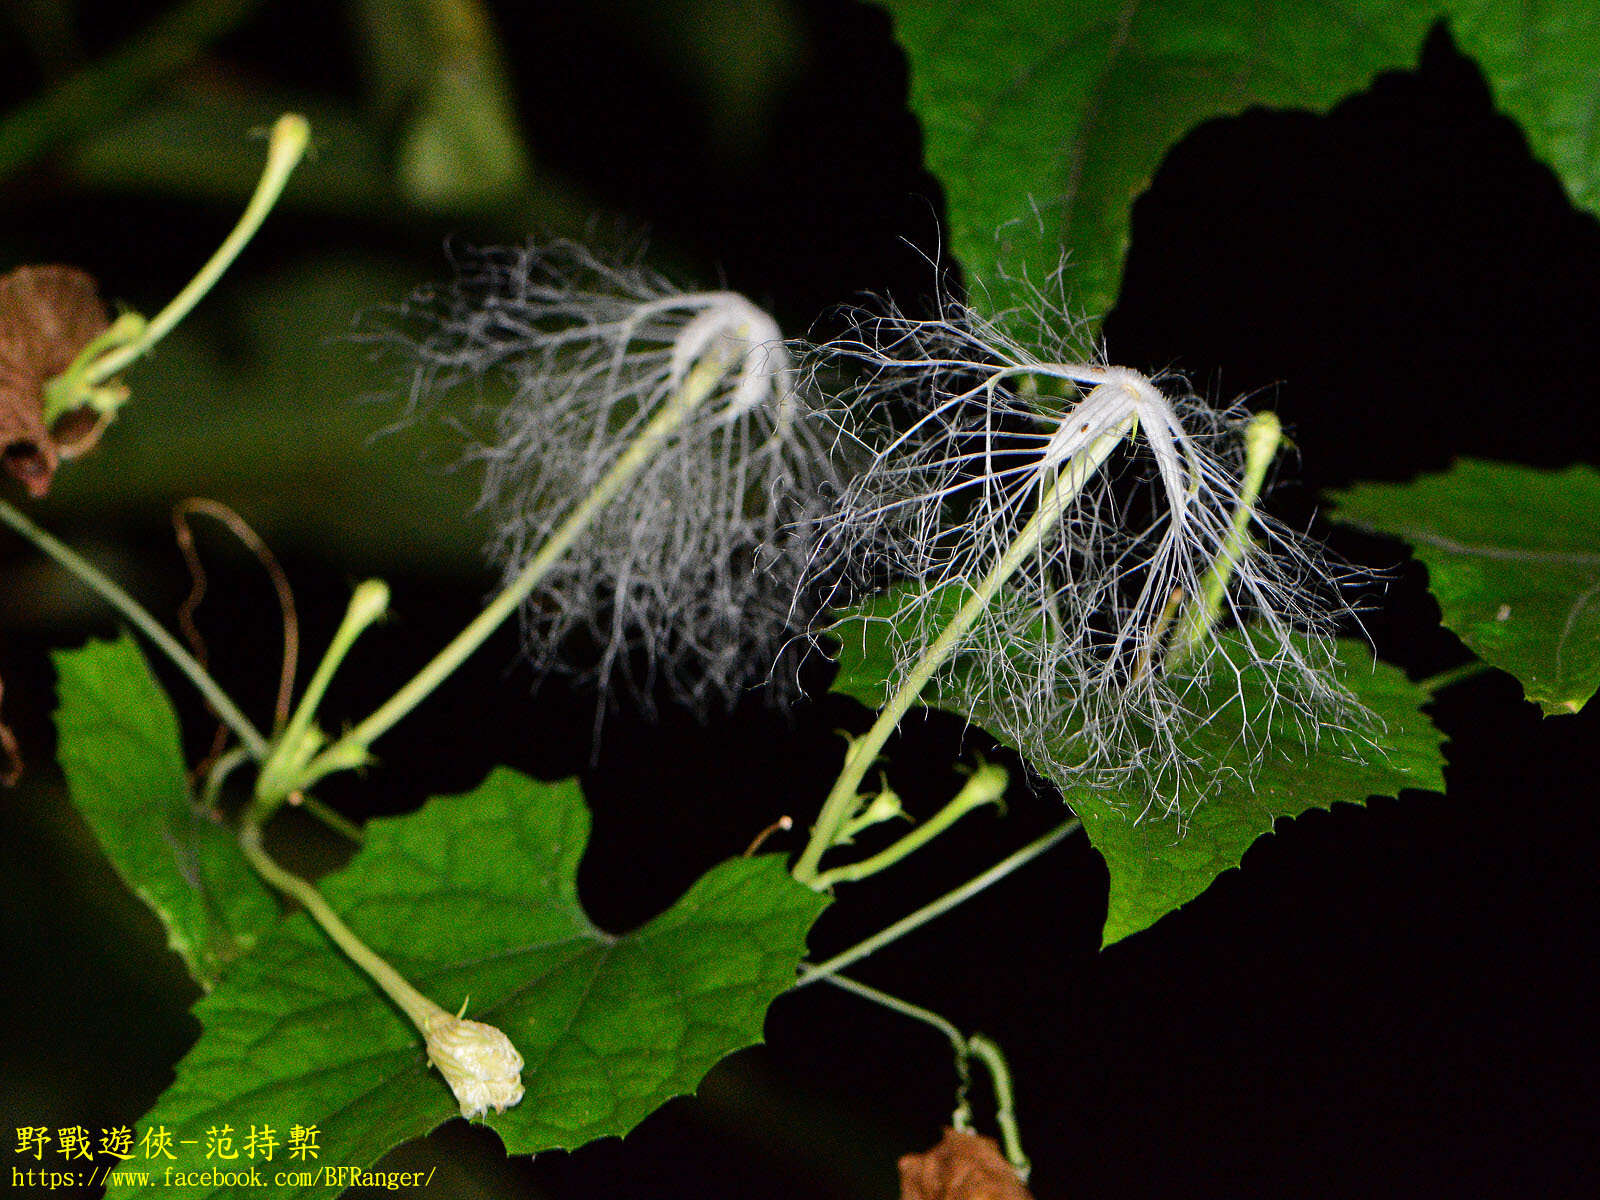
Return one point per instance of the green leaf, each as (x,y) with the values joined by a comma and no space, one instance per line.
(1159,863)
(120,751)
(1539,61)
(1513,557)
(474,900)
(1045,122)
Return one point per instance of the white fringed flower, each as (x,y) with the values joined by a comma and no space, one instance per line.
(1090,506)
(687,578)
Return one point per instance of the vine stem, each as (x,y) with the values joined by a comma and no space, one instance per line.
(984,1048)
(130,608)
(1005,1102)
(905,1008)
(413,1003)
(697,387)
(863,752)
(937,908)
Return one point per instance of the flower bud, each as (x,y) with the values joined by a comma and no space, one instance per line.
(752,344)
(478,1061)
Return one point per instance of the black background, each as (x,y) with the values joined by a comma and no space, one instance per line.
(1383,1001)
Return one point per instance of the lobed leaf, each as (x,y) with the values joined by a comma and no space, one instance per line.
(118,744)
(474,899)
(1539,62)
(1045,122)
(1513,557)
(1159,863)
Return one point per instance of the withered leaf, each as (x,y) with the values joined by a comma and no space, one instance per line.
(963,1166)
(10,752)
(48,314)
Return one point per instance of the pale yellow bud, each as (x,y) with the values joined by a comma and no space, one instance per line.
(478,1061)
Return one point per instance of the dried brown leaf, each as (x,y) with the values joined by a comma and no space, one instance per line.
(10,753)
(963,1166)
(48,314)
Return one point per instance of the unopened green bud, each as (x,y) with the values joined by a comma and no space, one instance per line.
(368,604)
(885,806)
(986,785)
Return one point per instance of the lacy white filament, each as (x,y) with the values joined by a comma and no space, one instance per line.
(1138,490)
(686,581)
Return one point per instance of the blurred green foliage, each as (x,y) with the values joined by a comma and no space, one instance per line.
(130,137)
(257,400)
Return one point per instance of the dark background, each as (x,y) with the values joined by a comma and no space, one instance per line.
(1383,1001)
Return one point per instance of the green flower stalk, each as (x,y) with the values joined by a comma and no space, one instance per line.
(478,1061)
(87,382)
(61,355)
